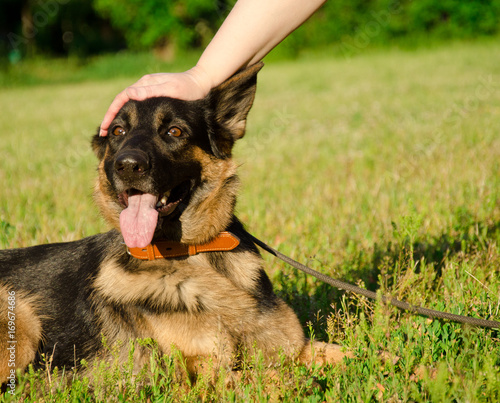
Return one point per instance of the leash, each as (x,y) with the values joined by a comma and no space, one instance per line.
(370,294)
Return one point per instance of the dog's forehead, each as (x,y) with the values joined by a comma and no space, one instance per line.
(153,112)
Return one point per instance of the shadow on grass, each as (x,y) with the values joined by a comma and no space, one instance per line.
(313,303)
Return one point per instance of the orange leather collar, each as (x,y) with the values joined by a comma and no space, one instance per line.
(165,249)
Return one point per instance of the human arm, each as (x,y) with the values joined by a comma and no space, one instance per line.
(250,31)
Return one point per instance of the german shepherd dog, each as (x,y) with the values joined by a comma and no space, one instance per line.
(177,267)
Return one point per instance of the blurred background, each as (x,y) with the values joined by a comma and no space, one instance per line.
(82,37)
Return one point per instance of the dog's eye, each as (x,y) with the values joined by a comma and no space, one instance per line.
(119,131)
(175,132)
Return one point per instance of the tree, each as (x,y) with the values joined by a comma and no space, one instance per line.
(54,27)
(160,23)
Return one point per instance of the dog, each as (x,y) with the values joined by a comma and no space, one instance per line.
(177,266)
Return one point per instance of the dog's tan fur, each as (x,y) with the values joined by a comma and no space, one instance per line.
(20,349)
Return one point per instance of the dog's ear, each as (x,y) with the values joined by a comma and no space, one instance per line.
(230,102)
(99,145)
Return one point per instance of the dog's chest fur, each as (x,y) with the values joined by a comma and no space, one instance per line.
(186,302)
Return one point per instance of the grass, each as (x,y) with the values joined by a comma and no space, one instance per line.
(381,169)
(42,71)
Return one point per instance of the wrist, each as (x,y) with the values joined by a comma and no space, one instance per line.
(202,79)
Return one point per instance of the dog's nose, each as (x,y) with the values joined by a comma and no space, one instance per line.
(132,164)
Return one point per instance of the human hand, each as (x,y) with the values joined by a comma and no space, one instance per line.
(189,85)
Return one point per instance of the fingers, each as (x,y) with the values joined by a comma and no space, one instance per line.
(120,100)
(123,97)
(175,85)
(141,93)
(136,92)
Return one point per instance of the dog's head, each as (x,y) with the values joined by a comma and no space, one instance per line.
(165,167)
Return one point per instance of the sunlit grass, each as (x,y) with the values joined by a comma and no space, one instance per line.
(381,169)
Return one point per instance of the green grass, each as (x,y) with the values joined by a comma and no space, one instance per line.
(382,169)
(43,71)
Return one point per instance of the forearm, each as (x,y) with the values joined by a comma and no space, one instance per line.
(251,30)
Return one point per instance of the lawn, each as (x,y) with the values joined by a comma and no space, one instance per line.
(382,169)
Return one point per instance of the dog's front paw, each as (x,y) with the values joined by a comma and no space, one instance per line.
(317,352)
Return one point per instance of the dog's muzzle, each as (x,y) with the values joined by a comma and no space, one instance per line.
(132,165)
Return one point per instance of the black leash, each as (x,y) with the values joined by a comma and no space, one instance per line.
(370,294)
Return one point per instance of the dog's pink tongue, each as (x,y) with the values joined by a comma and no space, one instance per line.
(138,220)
